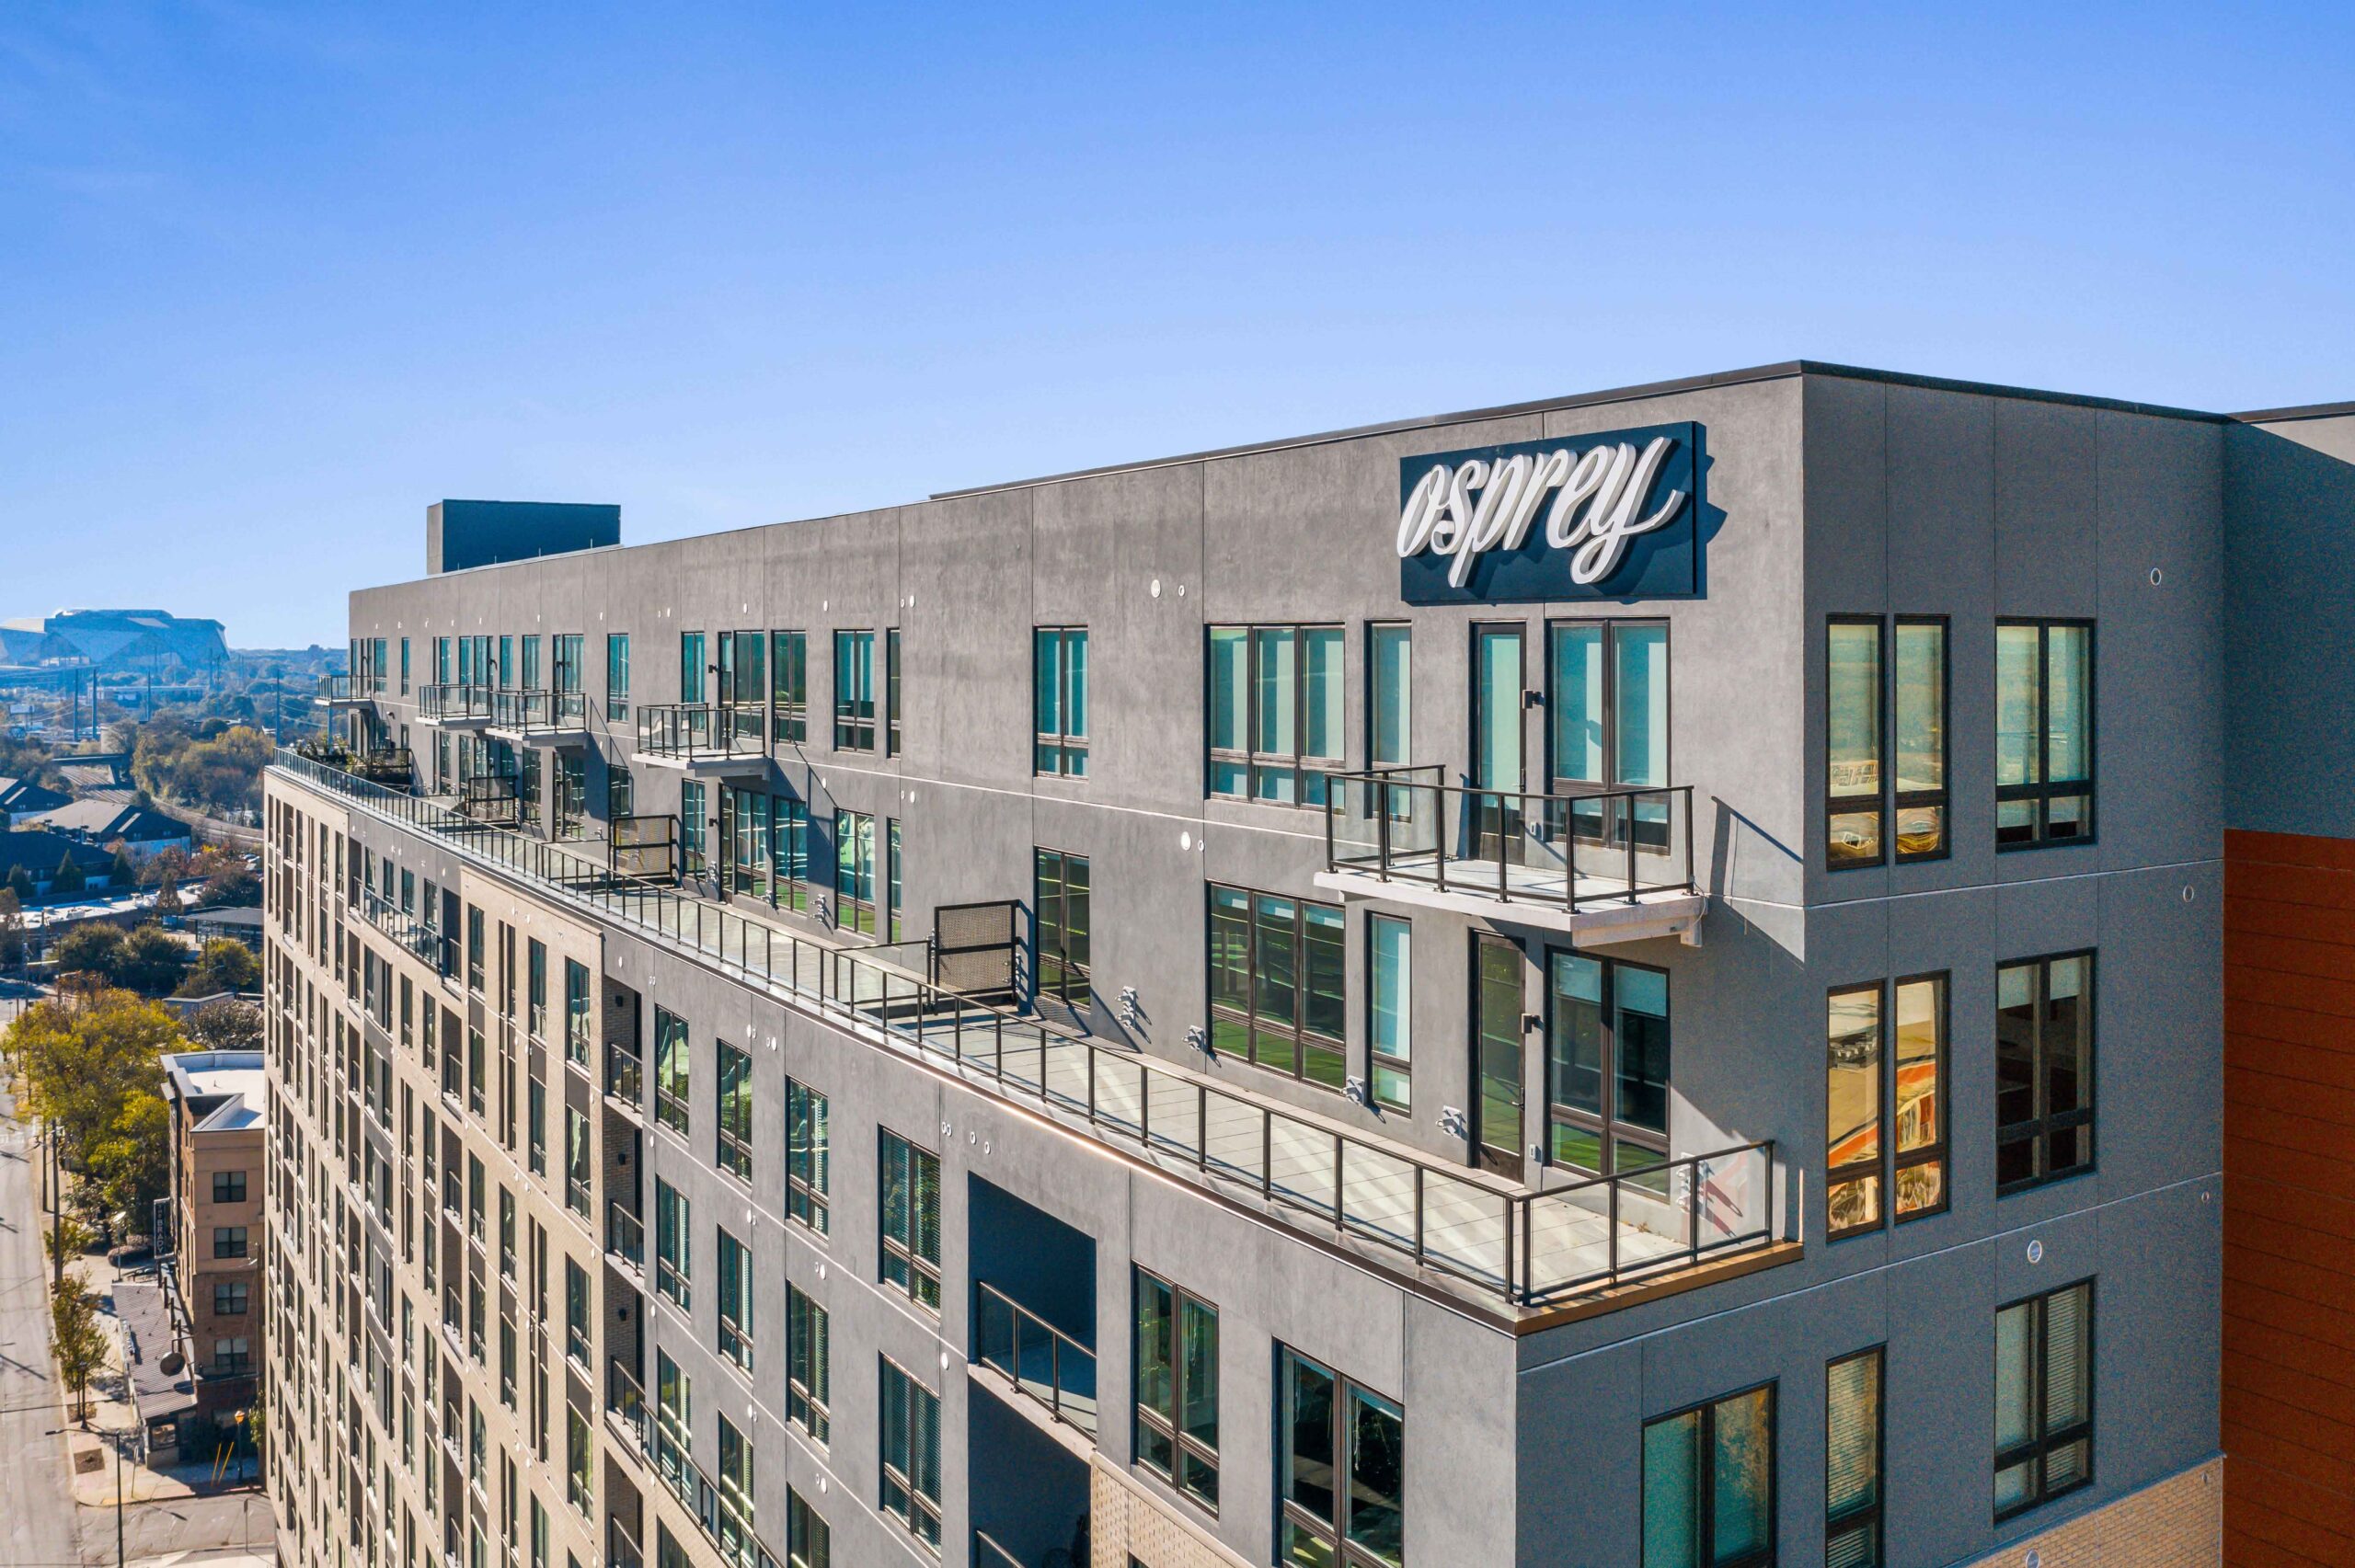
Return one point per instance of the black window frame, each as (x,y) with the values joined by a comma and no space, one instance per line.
(854,714)
(735,1151)
(809,1374)
(1248,1018)
(921,1516)
(1889,802)
(1862,1515)
(618,665)
(1608,1124)
(808,1200)
(853,911)
(905,1266)
(2037,1130)
(2044,792)
(808,1540)
(1187,1452)
(1333,1533)
(1888,1163)
(1311,772)
(1055,972)
(230,1242)
(788,699)
(238,1291)
(229,1186)
(1065,748)
(2039,1448)
(1705,1475)
(892,745)
(673,1108)
(735,1336)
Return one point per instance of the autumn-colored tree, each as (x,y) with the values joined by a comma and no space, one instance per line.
(83,1065)
(80,1342)
(131,1162)
(226,964)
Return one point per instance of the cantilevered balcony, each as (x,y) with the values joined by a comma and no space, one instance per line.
(342,690)
(549,718)
(454,706)
(1607,865)
(1518,1251)
(702,737)
(492,799)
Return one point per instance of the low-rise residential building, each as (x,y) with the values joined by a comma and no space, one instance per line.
(22,800)
(143,831)
(214,1265)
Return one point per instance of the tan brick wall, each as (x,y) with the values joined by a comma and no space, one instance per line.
(1125,1521)
(2179,1523)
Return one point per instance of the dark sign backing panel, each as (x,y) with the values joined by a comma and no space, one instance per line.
(1663,564)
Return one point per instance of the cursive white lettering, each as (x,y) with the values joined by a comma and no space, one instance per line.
(1467,510)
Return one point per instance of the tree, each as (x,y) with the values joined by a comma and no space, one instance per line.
(20,882)
(12,929)
(81,1344)
(225,1027)
(82,1066)
(167,897)
(131,1163)
(69,877)
(68,1241)
(121,874)
(91,948)
(226,964)
(152,961)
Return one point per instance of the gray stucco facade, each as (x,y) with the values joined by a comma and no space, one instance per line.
(1829,493)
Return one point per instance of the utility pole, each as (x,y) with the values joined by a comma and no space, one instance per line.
(118,1501)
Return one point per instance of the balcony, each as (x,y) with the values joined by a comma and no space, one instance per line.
(1037,1360)
(492,799)
(454,706)
(555,718)
(702,738)
(417,938)
(625,1078)
(625,1402)
(1611,865)
(392,766)
(1502,1247)
(626,1237)
(341,691)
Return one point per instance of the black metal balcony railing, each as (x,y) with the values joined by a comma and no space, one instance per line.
(421,941)
(690,731)
(537,712)
(626,1400)
(660,1445)
(625,1075)
(492,799)
(626,1236)
(452,701)
(1040,1361)
(341,687)
(621,1547)
(1578,851)
(988,1554)
(1524,1247)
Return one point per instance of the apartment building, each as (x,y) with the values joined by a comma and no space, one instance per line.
(219,1105)
(1633,979)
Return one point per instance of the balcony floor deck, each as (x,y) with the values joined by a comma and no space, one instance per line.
(1592,907)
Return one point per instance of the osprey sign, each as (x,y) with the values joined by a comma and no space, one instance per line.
(1607,516)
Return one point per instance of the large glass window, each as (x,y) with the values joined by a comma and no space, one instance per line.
(567,650)
(1058,883)
(695,823)
(2044,1070)
(1390,997)
(692,671)
(891,692)
(2044,1398)
(1852,1461)
(808,1542)
(1710,1484)
(1607,1063)
(855,871)
(853,691)
(617,675)
(910,1491)
(1277,989)
(789,684)
(808,1155)
(735,1300)
(1885,1112)
(2044,733)
(1176,1378)
(1389,726)
(580,1022)
(1343,1470)
(672,1054)
(1870,699)
(808,1351)
(674,1267)
(735,1111)
(1276,712)
(1059,700)
(735,1489)
(911,1187)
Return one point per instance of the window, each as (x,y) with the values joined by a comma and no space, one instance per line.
(575,1161)
(579,1022)
(2044,1071)
(1276,701)
(2044,1398)
(404,667)
(1390,703)
(229,1298)
(735,1300)
(535,989)
(1059,886)
(1277,991)
(911,1492)
(855,871)
(1862,714)
(228,1241)
(1608,722)
(1389,1022)
(1607,1063)
(808,1155)
(891,888)
(1059,700)
(474,950)
(1710,1484)
(232,1356)
(691,669)
(674,1408)
(789,684)
(530,663)
(853,691)
(1863,1083)
(621,797)
(567,662)
(229,1186)
(891,692)
(693,826)
(670,1056)
(579,1462)
(2044,733)
(1852,1461)
(535,1125)
(1344,1467)
(910,1180)
(807,1381)
(617,675)
(808,1542)
(674,1270)
(1176,1378)
(735,1111)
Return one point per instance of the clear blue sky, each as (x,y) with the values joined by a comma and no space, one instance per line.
(272,279)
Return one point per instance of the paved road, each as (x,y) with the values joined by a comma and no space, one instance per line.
(194,1525)
(36,1524)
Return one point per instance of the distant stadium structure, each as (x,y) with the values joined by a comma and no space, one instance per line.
(132,642)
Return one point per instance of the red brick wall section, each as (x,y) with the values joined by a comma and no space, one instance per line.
(2289,1374)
